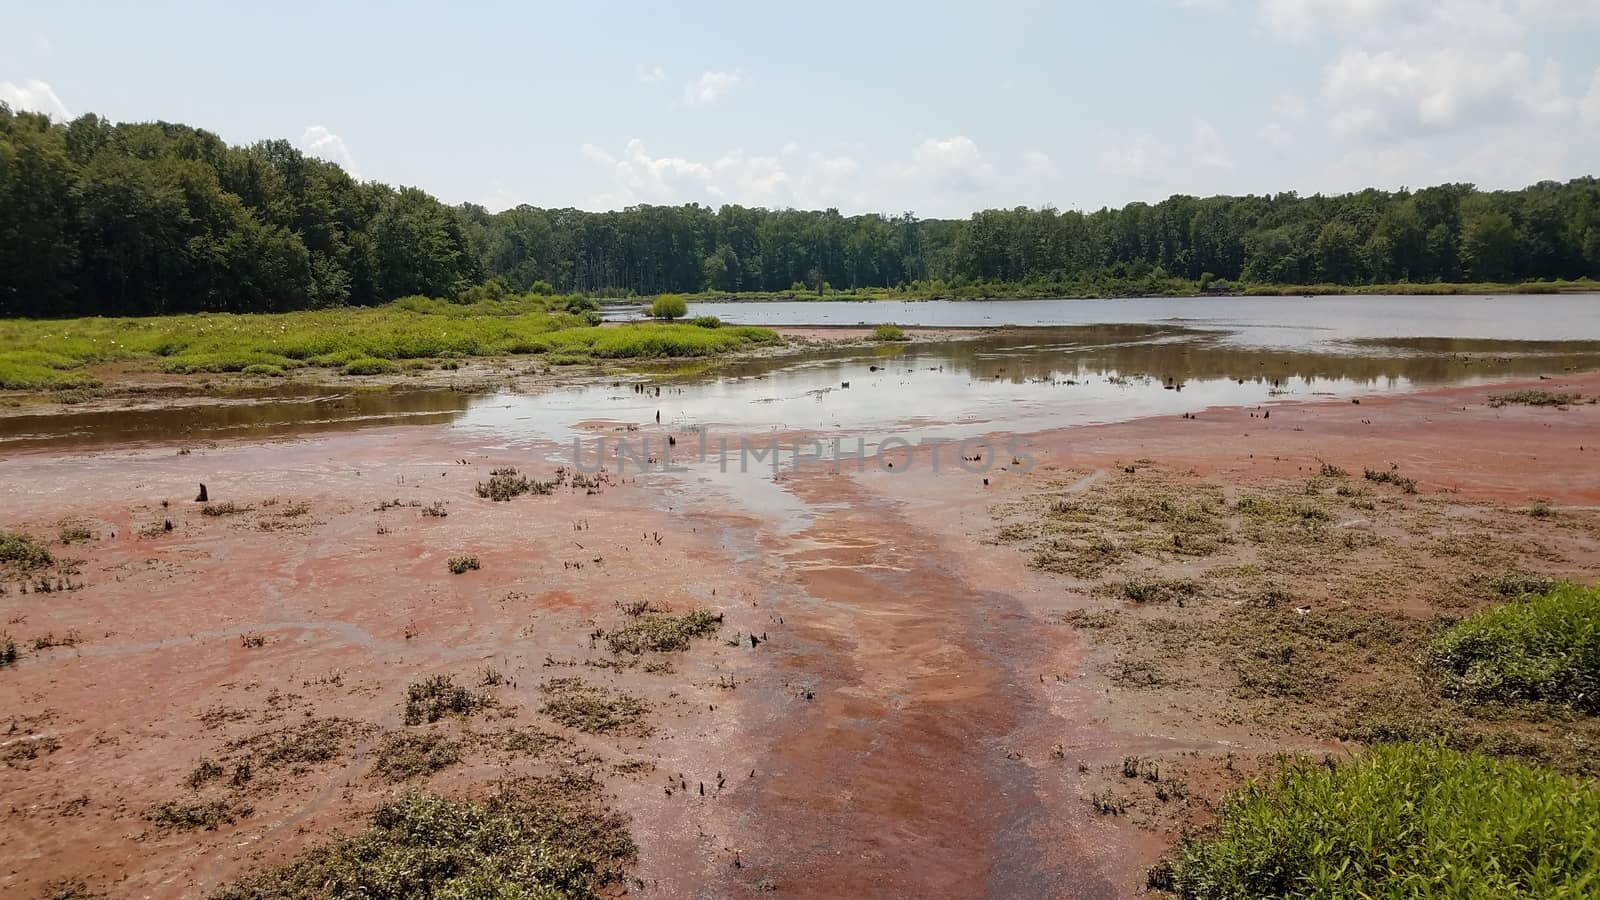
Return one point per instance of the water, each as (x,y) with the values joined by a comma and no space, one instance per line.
(1183,356)
(1284,322)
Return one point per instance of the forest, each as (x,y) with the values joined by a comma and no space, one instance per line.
(98,218)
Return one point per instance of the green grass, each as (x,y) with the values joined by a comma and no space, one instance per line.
(539,840)
(51,354)
(1403,820)
(1544,647)
(23,552)
(889,332)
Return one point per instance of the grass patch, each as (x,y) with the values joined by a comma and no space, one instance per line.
(1404,820)
(1159,590)
(434,698)
(206,815)
(460,565)
(535,839)
(587,707)
(506,483)
(1392,476)
(23,552)
(403,756)
(649,629)
(889,332)
(368,365)
(1533,398)
(1545,648)
(50,354)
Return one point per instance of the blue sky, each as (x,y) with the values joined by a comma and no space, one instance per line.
(935,107)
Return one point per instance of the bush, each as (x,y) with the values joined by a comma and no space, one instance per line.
(889,332)
(1544,647)
(669,307)
(23,552)
(460,565)
(367,365)
(706,322)
(1404,820)
(437,697)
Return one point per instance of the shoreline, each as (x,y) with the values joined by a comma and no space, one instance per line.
(912,658)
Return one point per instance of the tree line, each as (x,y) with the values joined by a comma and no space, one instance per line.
(99,218)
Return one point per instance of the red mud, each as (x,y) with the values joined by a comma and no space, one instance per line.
(891,736)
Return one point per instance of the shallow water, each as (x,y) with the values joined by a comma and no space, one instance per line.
(1012,380)
(1283,322)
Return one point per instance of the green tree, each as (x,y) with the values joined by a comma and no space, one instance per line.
(669,307)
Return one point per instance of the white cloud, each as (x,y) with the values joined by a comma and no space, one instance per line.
(1398,93)
(1207,150)
(1290,106)
(1143,159)
(1513,159)
(951,164)
(1394,22)
(748,179)
(34,95)
(1276,137)
(1590,107)
(318,141)
(650,74)
(1038,164)
(1558,12)
(709,88)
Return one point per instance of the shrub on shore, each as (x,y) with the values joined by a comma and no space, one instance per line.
(889,332)
(669,307)
(1403,820)
(1544,647)
(23,552)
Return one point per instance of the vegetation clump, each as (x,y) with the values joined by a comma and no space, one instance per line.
(460,565)
(192,816)
(1533,398)
(706,322)
(23,552)
(661,631)
(578,704)
(506,482)
(889,332)
(8,650)
(403,756)
(1545,647)
(438,696)
(669,307)
(1403,820)
(367,365)
(546,840)
(1392,476)
(228,508)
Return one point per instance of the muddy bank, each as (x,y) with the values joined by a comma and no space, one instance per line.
(918,713)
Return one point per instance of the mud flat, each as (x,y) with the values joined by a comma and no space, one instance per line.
(1021,681)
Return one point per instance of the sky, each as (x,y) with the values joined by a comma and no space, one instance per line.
(937,108)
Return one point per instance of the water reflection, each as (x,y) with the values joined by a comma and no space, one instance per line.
(1021,380)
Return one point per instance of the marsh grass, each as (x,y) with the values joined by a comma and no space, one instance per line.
(23,552)
(434,698)
(578,704)
(208,815)
(403,756)
(889,332)
(650,629)
(51,354)
(506,483)
(1402,820)
(1533,398)
(542,839)
(1544,647)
